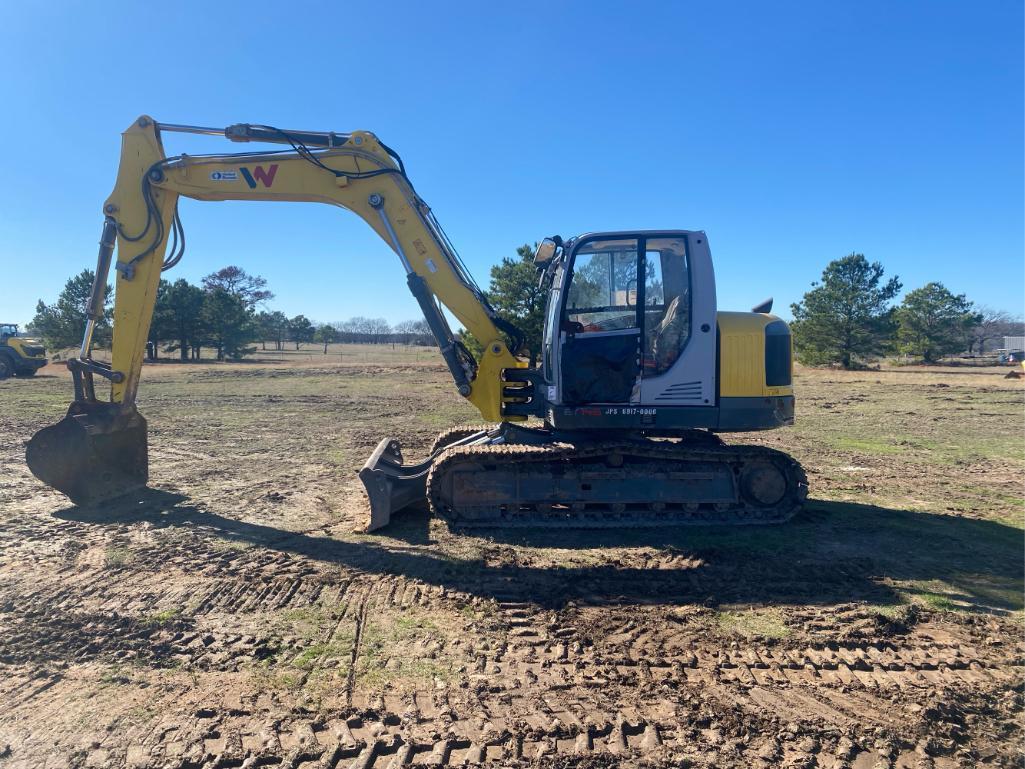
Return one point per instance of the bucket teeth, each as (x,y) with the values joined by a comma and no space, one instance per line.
(96,453)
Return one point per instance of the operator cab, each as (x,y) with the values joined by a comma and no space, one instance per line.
(8,330)
(630,320)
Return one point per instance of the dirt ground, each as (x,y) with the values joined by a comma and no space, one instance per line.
(231,617)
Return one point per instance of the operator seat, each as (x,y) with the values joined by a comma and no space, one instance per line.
(670,333)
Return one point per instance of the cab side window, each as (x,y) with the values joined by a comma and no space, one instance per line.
(667,306)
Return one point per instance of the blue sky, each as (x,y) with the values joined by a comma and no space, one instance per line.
(793,133)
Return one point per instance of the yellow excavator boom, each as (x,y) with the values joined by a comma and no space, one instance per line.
(358,174)
(99,449)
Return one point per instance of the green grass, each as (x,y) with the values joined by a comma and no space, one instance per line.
(339,457)
(936,601)
(964,593)
(115,557)
(337,653)
(1015,521)
(393,649)
(161,618)
(318,657)
(931,417)
(866,445)
(753,623)
(265,676)
(116,675)
(899,612)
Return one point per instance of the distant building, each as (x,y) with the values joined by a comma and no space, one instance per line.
(1014,343)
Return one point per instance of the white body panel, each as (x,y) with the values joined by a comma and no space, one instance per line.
(691,380)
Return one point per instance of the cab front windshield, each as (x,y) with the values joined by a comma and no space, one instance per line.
(603,295)
(603,292)
(8,329)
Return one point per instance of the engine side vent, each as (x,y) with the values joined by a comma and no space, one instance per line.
(682,391)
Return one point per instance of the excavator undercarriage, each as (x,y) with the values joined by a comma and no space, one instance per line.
(512,476)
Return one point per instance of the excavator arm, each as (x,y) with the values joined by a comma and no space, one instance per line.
(99,450)
(353,171)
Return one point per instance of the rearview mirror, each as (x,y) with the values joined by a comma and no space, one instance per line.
(545,251)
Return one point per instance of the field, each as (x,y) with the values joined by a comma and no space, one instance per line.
(233,616)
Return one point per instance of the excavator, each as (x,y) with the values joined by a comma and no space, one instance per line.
(619,426)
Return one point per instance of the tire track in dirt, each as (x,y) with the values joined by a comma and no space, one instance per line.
(376,740)
(206,576)
(361,619)
(553,695)
(541,685)
(847,687)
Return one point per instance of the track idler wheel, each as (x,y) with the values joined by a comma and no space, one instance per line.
(763,484)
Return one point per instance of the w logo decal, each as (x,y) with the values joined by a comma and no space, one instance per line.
(266,178)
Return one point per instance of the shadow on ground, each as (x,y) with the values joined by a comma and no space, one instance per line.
(832,552)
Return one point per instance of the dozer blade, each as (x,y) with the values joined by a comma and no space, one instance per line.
(95,453)
(390,484)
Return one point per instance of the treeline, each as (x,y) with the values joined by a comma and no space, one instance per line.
(277,329)
(850,317)
(220,315)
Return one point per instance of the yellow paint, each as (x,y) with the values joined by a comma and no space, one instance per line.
(134,299)
(19,345)
(286,177)
(742,355)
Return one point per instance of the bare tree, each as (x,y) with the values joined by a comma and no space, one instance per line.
(345,330)
(423,334)
(995,325)
(406,330)
(362,328)
(378,328)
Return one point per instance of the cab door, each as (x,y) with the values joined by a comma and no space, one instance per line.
(600,323)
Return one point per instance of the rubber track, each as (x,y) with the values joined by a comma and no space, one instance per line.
(502,516)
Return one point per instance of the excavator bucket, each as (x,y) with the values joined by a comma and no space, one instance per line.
(97,452)
(392,485)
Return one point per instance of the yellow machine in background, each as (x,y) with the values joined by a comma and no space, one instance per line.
(19,356)
(640,370)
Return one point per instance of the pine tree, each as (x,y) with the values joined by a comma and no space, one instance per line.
(62,324)
(301,330)
(251,289)
(519,299)
(230,323)
(178,317)
(932,322)
(273,326)
(846,316)
(326,334)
